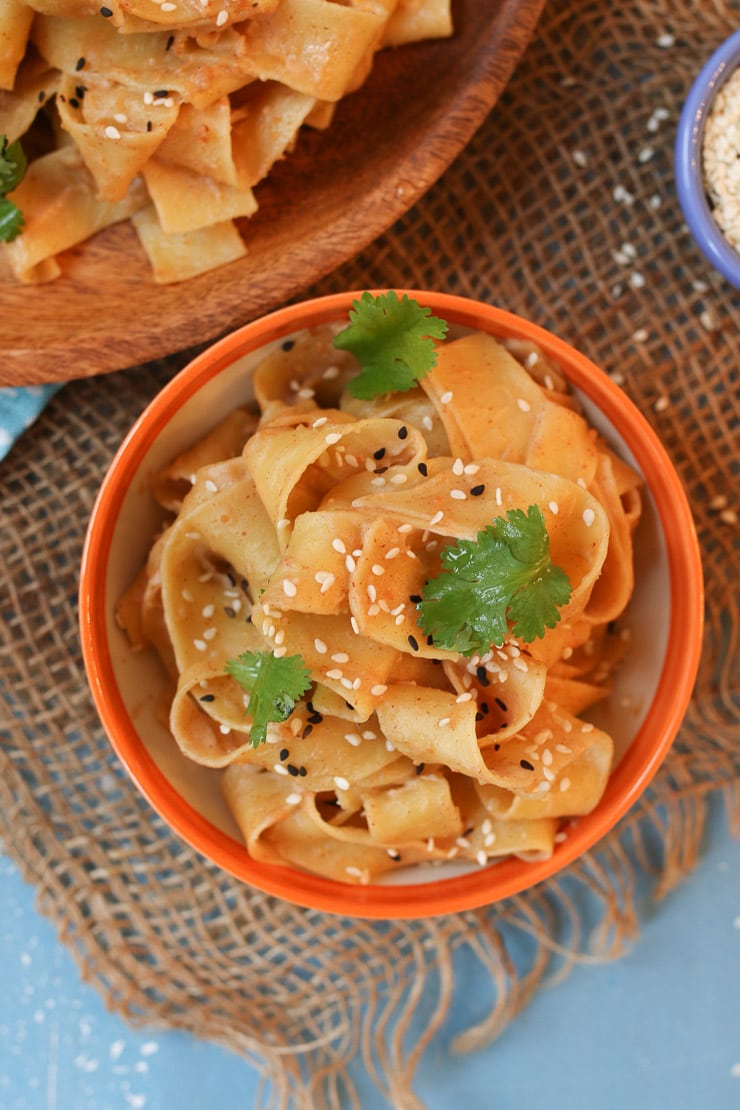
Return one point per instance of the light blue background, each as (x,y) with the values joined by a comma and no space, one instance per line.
(659,1029)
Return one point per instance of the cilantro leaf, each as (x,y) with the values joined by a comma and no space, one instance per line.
(11,220)
(274,686)
(503,581)
(393,340)
(12,171)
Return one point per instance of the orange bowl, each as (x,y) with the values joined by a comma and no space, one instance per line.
(643,712)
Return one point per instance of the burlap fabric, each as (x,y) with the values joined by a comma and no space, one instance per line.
(563,209)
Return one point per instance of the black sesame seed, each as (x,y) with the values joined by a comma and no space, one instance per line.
(292,770)
(380,470)
(526,765)
(479,716)
(302,772)
(470,829)
(284,753)
(413,642)
(403,432)
(74,101)
(503,725)
(394,854)
(80,91)
(416,598)
(420,767)
(379,453)
(159,93)
(483,706)
(229,611)
(169,42)
(482,675)
(307,731)
(289,344)
(42,97)
(476,491)
(207,697)
(430,639)
(423,469)
(316,718)
(501,704)
(80,64)
(106,12)
(496,747)
(148,125)
(349,705)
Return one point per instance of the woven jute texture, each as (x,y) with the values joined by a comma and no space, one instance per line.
(563,209)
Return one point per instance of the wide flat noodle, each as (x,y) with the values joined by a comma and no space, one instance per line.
(309,528)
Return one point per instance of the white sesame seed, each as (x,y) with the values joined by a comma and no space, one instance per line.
(547,757)
(350,564)
(377,569)
(427,423)
(340,657)
(523,405)
(347,683)
(565,784)
(554,507)
(498,497)
(341,783)
(320,421)
(293,799)
(353,738)
(211,485)
(443,721)
(458,495)
(481,858)
(320,646)
(437,517)
(379,481)
(464,697)
(289,588)
(661,404)
(398,479)
(589,516)
(338,545)
(458,467)
(112,132)
(665,40)
(200,645)
(332,438)
(186,595)
(334,673)
(378,690)
(209,633)
(392,552)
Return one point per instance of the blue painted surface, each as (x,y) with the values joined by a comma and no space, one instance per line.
(657,1029)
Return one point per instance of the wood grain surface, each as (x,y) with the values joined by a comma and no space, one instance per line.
(337,191)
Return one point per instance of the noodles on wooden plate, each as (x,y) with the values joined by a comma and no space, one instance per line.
(171,113)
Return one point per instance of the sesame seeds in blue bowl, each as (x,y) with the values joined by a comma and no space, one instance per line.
(707,159)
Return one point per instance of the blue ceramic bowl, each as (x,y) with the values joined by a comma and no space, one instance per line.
(688,160)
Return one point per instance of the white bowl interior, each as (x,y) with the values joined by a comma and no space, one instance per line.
(139,676)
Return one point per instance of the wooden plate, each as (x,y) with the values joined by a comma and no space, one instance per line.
(336,192)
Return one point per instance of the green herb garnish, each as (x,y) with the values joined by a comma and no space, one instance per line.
(393,340)
(501,583)
(274,686)
(12,171)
